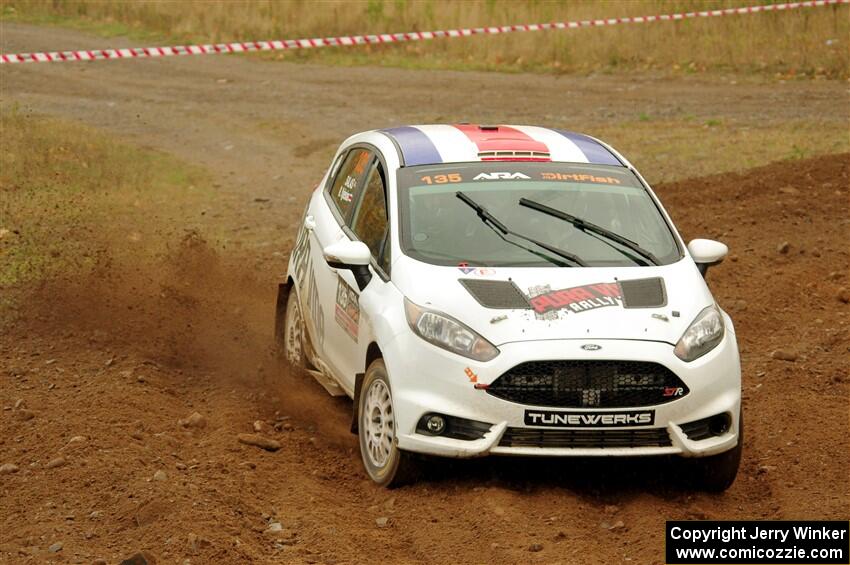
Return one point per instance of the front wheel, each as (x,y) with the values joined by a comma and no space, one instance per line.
(293,332)
(716,473)
(384,462)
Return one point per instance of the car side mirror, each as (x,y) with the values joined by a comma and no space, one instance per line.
(707,252)
(352,255)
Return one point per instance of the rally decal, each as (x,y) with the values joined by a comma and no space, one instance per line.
(347,311)
(575,299)
(542,290)
(306,281)
(416,147)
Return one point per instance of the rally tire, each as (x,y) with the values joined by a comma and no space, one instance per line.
(293,336)
(384,462)
(716,473)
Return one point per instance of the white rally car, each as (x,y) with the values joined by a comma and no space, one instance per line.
(509,290)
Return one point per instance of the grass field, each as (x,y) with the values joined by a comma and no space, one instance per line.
(799,43)
(64,186)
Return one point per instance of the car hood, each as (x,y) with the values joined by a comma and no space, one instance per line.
(523,304)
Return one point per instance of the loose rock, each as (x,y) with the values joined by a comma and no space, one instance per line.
(382,522)
(844,295)
(259,426)
(196,420)
(259,441)
(180,466)
(8,468)
(160,476)
(58,462)
(56,547)
(274,528)
(535,547)
(783,247)
(784,355)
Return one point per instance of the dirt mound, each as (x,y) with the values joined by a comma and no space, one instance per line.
(101,375)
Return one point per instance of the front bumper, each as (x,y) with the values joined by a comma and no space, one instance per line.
(428,379)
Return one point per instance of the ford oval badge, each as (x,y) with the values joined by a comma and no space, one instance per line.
(591,347)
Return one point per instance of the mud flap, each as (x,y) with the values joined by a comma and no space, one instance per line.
(280,316)
(358,384)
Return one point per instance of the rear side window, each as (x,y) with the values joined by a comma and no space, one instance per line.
(347,183)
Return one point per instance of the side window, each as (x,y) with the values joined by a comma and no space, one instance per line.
(370,218)
(348,180)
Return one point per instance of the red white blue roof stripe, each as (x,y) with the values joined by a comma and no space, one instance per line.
(432,144)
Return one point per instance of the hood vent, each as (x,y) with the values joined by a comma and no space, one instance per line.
(496,294)
(643,293)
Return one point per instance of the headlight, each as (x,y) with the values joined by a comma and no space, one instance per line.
(448,333)
(703,335)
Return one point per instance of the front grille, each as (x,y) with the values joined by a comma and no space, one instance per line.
(584,383)
(528,437)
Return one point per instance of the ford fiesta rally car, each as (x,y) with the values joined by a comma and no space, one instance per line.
(509,290)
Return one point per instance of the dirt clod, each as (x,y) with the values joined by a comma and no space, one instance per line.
(784,355)
(8,468)
(259,441)
(57,462)
(195,420)
(23,415)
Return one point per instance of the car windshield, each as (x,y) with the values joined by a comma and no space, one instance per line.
(440,228)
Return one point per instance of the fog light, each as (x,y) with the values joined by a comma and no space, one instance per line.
(719,425)
(436,424)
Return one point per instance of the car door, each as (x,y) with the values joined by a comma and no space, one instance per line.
(368,222)
(326,223)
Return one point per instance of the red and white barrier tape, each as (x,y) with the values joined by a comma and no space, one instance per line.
(287,44)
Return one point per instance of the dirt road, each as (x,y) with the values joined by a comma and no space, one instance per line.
(105,368)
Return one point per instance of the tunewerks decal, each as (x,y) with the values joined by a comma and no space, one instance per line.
(553,419)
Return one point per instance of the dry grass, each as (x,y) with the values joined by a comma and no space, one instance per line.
(73,199)
(805,42)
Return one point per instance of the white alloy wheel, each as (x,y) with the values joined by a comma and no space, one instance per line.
(293,332)
(378,423)
(384,462)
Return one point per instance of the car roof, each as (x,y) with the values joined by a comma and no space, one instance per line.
(459,143)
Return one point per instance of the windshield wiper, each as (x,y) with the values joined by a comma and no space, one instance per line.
(586,226)
(490,220)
